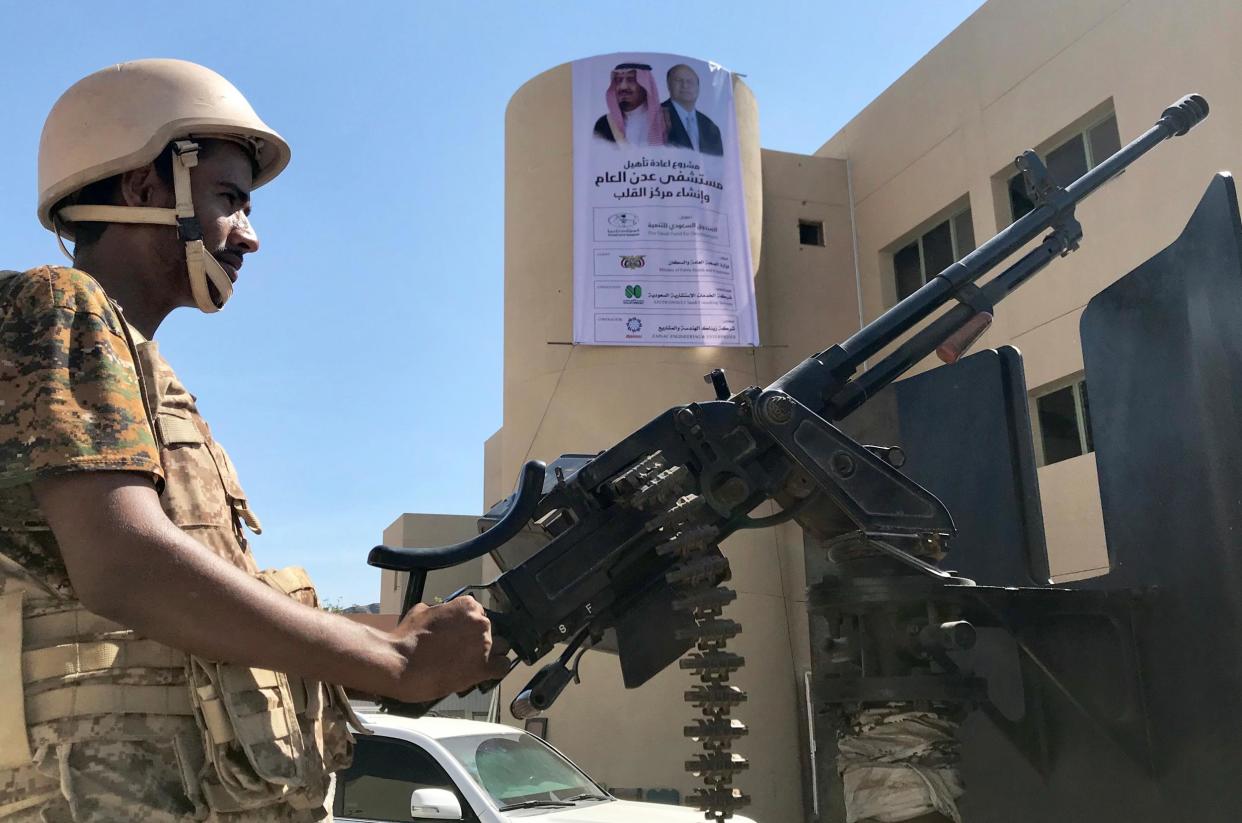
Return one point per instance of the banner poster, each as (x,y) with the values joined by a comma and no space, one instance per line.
(661,247)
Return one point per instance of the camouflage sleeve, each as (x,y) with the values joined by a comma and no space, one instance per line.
(69,394)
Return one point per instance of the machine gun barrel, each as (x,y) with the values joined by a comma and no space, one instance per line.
(818,380)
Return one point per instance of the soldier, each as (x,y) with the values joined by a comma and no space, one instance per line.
(148,669)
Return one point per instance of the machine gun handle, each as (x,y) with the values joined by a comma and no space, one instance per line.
(525,502)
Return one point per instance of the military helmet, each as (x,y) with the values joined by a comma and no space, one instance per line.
(122,118)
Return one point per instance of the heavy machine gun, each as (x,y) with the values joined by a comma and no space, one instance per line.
(620,550)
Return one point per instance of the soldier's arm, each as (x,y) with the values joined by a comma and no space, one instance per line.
(129,563)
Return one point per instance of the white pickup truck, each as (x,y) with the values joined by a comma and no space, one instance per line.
(437,768)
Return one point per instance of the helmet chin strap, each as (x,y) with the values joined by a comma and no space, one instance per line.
(203,268)
(201,265)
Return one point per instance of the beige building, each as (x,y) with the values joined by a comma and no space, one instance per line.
(908,185)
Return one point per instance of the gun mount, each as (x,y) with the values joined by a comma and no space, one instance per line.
(620,550)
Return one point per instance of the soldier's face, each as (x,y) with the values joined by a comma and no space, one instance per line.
(630,94)
(683,86)
(221,184)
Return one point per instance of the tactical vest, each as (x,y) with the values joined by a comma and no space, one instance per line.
(266,738)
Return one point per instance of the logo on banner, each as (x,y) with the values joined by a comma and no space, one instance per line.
(633,261)
(634,325)
(634,295)
(624,220)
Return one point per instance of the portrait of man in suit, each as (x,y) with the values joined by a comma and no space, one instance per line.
(688,128)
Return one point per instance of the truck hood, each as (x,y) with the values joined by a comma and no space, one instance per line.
(617,811)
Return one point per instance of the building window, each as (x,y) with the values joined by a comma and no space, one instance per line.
(811,232)
(1070,160)
(1064,423)
(932,252)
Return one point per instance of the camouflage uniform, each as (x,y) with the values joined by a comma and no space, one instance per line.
(113,729)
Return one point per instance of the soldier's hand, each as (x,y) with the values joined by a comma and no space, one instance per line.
(448,648)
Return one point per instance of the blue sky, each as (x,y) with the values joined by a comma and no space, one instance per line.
(357,370)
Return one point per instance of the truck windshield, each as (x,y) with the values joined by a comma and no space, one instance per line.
(518,767)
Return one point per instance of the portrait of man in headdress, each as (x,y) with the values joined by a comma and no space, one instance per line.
(634,114)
